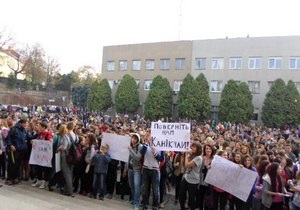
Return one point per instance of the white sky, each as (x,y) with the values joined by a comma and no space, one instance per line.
(75,31)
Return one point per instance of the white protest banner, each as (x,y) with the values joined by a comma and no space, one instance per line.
(170,136)
(230,177)
(118,146)
(41,153)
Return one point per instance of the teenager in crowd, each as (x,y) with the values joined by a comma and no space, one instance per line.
(191,178)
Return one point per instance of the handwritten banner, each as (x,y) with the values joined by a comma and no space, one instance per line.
(118,146)
(232,178)
(170,136)
(41,153)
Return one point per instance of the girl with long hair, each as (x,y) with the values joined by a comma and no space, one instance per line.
(273,188)
(191,178)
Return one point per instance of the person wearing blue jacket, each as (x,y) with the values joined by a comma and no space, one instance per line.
(100,161)
(16,147)
(151,172)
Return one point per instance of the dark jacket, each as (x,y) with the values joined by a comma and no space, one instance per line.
(17,136)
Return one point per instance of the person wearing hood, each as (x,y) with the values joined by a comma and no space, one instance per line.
(135,168)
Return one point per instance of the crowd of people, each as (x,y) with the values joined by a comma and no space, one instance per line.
(272,153)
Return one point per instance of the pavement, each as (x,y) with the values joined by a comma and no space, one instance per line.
(24,197)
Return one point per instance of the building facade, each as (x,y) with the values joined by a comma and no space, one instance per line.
(256,61)
(10,59)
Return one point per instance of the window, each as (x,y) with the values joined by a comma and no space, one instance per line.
(217,63)
(147,84)
(136,65)
(164,64)
(275,63)
(235,63)
(150,64)
(270,84)
(255,63)
(216,86)
(110,66)
(180,63)
(177,84)
(137,81)
(254,86)
(111,83)
(123,65)
(294,63)
(200,63)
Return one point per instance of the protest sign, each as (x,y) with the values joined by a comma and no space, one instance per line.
(229,176)
(41,153)
(118,146)
(170,136)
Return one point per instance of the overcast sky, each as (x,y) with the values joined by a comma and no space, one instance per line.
(75,31)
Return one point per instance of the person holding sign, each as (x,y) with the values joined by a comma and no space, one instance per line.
(191,178)
(151,173)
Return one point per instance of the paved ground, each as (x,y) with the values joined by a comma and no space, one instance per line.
(25,197)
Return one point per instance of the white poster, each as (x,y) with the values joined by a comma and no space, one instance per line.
(118,146)
(41,153)
(231,177)
(170,136)
(57,162)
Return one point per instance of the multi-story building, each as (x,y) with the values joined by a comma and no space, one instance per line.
(256,61)
(10,59)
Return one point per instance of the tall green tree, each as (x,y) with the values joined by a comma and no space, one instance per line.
(236,103)
(202,95)
(80,96)
(245,103)
(274,108)
(99,98)
(159,101)
(187,102)
(127,95)
(292,104)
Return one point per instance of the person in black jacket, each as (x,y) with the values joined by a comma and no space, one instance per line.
(16,147)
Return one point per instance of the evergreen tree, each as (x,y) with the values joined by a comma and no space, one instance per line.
(127,95)
(245,103)
(236,103)
(159,101)
(80,96)
(202,94)
(187,101)
(274,108)
(292,104)
(99,98)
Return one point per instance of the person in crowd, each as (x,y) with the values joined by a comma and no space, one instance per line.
(151,174)
(16,147)
(100,161)
(257,197)
(42,171)
(135,169)
(273,188)
(296,189)
(91,148)
(208,154)
(178,172)
(219,195)
(191,178)
(3,134)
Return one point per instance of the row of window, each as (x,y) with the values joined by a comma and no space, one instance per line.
(201,63)
(215,85)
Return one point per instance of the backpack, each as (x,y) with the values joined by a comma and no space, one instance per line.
(74,155)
